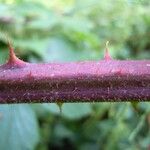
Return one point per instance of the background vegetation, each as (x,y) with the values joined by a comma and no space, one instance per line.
(73,30)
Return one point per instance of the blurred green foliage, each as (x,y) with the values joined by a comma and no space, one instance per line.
(73,30)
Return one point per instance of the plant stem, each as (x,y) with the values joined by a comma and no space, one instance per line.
(91,81)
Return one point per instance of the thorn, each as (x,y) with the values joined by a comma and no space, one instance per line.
(107,55)
(13,59)
(59,104)
(12,56)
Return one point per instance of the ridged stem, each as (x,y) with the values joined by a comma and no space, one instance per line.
(92,81)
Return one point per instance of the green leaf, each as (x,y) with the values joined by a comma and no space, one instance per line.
(3,57)
(76,111)
(61,50)
(18,127)
(52,108)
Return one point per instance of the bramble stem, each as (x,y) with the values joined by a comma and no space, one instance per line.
(105,80)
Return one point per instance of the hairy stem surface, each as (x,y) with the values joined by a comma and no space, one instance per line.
(105,80)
